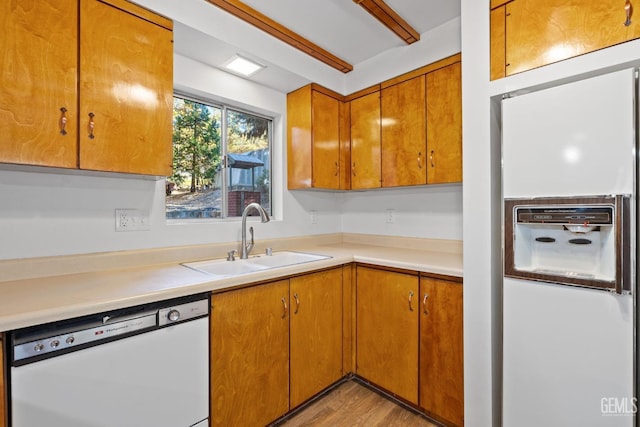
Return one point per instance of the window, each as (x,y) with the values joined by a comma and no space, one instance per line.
(221,161)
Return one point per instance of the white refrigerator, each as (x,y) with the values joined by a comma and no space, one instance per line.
(568,351)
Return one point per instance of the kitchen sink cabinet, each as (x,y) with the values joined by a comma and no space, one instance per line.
(403,130)
(89,86)
(250,355)
(531,33)
(387,330)
(315,333)
(316,145)
(441,350)
(444,125)
(366,169)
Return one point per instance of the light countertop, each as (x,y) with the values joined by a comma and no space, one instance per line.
(37,300)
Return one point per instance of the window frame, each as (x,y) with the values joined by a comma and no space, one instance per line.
(224,107)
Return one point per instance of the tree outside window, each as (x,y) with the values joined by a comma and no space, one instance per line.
(202,184)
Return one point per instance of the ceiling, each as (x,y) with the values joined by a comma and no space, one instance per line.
(341,27)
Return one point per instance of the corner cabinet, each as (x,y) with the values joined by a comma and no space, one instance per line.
(527,34)
(317,139)
(90,86)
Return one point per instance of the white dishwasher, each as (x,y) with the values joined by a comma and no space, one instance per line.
(145,366)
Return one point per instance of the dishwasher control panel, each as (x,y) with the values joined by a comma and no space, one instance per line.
(40,342)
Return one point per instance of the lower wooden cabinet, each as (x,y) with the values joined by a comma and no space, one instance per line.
(387,330)
(316,334)
(274,346)
(250,355)
(441,350)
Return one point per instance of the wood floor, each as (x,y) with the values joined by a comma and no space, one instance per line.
(351,405)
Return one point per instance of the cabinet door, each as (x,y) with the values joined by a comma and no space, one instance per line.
(326,141)
(126,91)
(444,125)
(39,80)
(404,139)
(441,350)
(365,142)
(540,32)
(316,333)
(387,330)
(250,355)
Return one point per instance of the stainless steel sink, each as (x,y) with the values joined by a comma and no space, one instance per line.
(222,268)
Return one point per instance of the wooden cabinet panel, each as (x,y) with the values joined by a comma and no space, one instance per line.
(326,141)
(39,78)
(126,66)
(441,350)
(315,139)
(365,142)
(404,139)
(498,61)
(387,330)
(316,333)
(250,355)
(444,125)
(540,32)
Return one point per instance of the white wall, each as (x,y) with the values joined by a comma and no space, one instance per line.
(481,196)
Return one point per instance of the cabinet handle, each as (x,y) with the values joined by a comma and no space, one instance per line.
(297,303)
(424,304)
(337,169)
(63,120)
(285,309)
(91,126)
(353,169)
(420,159)
(628,9)
(410,298)
(433,165)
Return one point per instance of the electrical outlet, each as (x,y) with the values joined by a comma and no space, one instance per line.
(314,217)
(390,216)
(132,220)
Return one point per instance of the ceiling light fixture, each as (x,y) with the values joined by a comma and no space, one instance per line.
(244,66)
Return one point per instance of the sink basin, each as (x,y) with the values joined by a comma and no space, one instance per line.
(222,268)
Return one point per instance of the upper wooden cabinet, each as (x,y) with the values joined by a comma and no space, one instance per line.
(441,350)
(365,141)
(317,152)
(404,139)
(526,34)
(113,59)
(444,125)
(315,334)
(39,44)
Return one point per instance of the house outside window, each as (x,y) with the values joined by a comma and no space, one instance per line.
(221,160)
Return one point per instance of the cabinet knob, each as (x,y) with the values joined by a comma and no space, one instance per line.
(297,303)
(285,309)
(433,165)
(420,159)
(410,298)
(424,304)
(337,169)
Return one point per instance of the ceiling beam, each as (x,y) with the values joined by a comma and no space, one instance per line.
(390,19)
(268,25)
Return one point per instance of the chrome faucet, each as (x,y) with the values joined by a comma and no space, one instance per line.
(245,249)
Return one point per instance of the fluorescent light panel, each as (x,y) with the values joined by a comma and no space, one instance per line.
(243,66)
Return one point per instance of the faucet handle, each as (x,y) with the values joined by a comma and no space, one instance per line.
(268,252)
(231,255)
